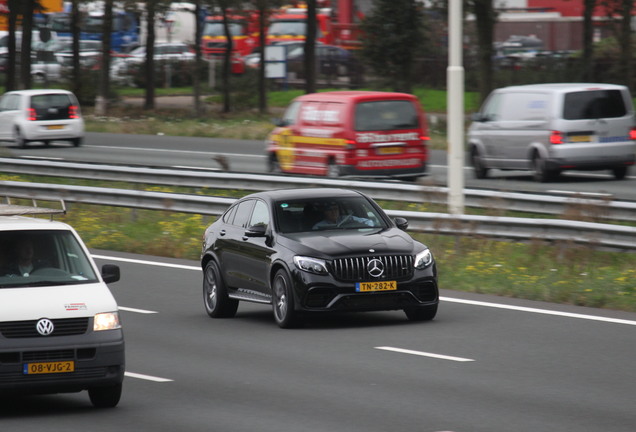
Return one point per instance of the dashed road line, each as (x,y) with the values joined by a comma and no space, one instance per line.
(425,354)
(146,377)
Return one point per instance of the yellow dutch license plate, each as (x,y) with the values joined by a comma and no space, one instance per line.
(376,286)
(580,138)
(389,150)
(49,367)
(51,127)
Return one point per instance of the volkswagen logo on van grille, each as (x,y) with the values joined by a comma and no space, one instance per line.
(375,267)
(45,327)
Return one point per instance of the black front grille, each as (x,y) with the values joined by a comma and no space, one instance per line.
(395,267)
(27,329)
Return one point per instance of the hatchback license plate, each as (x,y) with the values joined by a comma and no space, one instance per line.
(580,138)
(376,286)
(51,127)
(49,367)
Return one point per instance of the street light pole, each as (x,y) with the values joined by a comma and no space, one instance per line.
(455,101)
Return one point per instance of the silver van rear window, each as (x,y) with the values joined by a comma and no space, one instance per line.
(595,104)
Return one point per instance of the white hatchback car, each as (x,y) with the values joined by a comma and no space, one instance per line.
(40,115)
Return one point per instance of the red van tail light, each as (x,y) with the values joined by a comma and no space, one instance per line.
(425,138)
(33,116)
(350,144)
(632,134)
(556,137)
(72,112)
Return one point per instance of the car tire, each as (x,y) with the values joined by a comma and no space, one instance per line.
(105,397)
(19,139)
(481,171)
(76,142)
(283,301)
(421,313)
(215,298)
(619,172)
(541,173)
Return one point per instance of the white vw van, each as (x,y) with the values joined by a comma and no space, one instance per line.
(550,128)
(59,323)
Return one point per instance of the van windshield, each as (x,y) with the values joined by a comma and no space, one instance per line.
(595,104)
(42,258)
(386,115)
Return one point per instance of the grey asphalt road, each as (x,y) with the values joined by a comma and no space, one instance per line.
(248,156)
(484,364)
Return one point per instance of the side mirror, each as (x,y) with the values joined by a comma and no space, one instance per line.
(110,273)
(401,223)
(256,231)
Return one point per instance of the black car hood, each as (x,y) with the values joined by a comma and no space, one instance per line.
(345,243)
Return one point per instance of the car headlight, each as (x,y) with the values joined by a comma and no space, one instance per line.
(106,321)
(311,265)
(423,259)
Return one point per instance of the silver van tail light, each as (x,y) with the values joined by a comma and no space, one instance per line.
(556,137)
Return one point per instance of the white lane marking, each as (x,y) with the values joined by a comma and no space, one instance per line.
(154,263)
(146,377)
(425,354)
(448,299)
(540,311)
(141,311)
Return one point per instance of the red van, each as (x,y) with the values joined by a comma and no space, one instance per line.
(351,133)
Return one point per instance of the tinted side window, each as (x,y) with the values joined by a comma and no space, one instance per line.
(593,105)
(385,115)
(260,215)
(243,212)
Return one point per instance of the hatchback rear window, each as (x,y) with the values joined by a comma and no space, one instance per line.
(594,104)
(53,107)
(386,115)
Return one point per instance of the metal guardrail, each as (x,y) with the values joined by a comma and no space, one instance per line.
(571,232)
(416,193)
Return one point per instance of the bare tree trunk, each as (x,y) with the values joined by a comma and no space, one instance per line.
(227,62)
(149,65)
(196,84)
(625,58)
(101,103)
(485,17)
(11,83)
(25,54)
(75,32)
(310,48)
(588,40)
(262,29)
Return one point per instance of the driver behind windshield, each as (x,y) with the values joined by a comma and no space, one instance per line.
(332,217)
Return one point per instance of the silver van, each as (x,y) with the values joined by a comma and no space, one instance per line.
(550,128)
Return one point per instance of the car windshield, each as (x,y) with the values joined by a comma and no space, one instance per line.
(216,29)
(42,258)
(327,213)
(385,115)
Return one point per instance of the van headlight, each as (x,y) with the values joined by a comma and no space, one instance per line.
(423,259)
(311,265)
(106,321)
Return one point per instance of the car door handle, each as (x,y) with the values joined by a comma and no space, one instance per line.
(222,233)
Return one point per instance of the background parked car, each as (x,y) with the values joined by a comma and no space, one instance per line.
(123,65)
(40,115)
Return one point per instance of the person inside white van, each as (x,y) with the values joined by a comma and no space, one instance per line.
(24,263)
